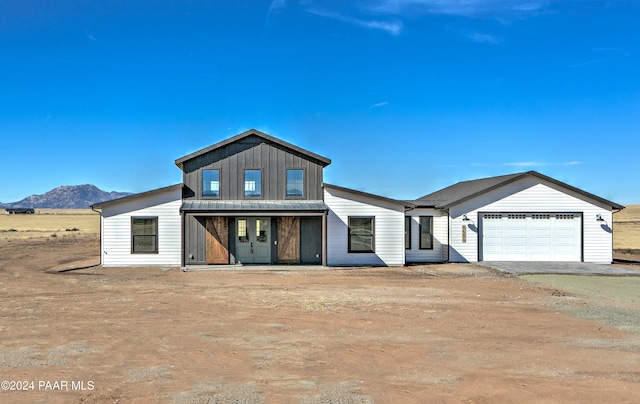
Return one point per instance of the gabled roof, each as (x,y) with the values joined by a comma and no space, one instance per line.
(253,132)
(406,204)
(133,197)
(465,190)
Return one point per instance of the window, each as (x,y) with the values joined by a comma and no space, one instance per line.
(295,182)
(426,232)
(211,183)
(144,235)
(407,232)
(361,234)
(262,226)
(252,183)
(243,231)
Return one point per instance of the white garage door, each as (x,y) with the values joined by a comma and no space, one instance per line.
(531,237)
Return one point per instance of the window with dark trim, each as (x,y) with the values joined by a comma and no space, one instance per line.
(295,183)
(407,232)
(361,235)
(426,232)
(144,235)
(211,183)
(252,183)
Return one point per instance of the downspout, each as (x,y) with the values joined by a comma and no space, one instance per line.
(100,236)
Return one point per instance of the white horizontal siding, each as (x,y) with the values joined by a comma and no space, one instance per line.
(116,230)
(389,229)
(533,195)
(440,234)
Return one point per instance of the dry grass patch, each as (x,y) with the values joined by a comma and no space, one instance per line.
(49,223)
(626,226)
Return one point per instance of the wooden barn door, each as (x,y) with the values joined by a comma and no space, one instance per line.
(217,239)
(289,240)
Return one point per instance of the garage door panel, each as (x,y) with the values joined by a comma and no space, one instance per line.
(513,233)
(531,237)
(540,233)
(540,249)
(565,233)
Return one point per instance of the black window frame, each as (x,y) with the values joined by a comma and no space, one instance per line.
(407,232)
(202,184)
(286,191)
(421,225)
(244,184)
(133,235)
(373,235)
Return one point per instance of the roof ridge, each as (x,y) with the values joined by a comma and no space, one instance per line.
(252,132)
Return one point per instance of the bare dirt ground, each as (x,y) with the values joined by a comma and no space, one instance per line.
(437,333)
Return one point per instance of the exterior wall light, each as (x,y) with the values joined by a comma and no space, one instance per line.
(465,218)
(599,218)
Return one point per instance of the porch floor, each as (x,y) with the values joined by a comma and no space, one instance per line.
(253,267)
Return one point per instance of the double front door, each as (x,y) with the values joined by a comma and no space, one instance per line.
(253,240)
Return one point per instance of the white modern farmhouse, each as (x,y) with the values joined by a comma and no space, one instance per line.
(255,199)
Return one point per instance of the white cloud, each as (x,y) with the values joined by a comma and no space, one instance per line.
(275,7)
(391,26)
(467,8)
(380,104)
(482,38)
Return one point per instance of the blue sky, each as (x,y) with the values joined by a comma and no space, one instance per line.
(405,96)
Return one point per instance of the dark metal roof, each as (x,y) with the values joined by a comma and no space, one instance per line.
(466,190)
(457,192)
(253,132)
(245,206)
(133,197)
(407,204)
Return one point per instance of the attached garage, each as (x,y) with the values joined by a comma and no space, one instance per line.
(524,217)
(520,236)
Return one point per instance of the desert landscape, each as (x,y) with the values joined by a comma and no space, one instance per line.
(73,331)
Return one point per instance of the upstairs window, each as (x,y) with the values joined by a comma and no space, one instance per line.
(361,234)
(211,183)
(426,232)
(252,183)
(295,183)
(144,235)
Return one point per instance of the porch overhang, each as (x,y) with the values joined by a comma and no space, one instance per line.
(254,208)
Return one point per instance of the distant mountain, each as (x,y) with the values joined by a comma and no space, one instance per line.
(67,197)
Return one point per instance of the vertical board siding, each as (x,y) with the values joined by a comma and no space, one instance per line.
(440,236)
(533,195)
(116,230)
(194,239)
(389,229)
(253,152)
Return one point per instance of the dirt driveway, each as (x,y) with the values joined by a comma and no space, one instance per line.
(439,333)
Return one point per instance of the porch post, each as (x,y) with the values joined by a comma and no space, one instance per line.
(324,239)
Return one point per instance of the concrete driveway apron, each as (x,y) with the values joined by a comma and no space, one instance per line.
(559,268)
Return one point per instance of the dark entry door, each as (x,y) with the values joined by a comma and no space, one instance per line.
(217,240)
(311,243)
